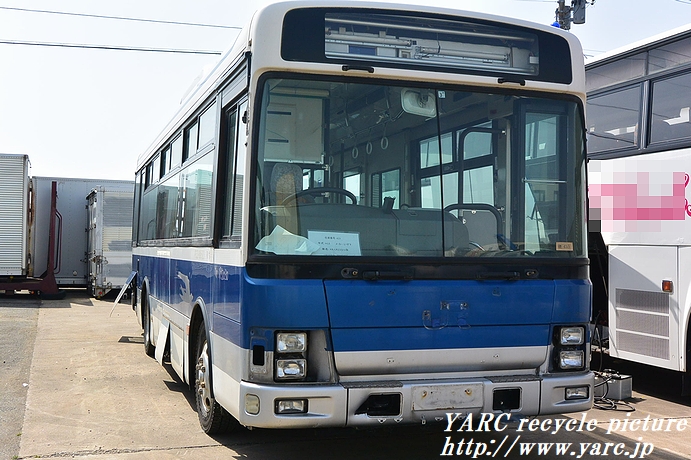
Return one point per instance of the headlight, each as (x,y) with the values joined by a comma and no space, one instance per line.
(290,357)
(291,342)
(572,336)
(571,359)
(291,368)
(569,352)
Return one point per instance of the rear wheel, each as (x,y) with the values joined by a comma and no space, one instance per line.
(213,418)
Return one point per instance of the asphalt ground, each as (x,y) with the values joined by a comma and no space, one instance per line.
(77,384)
(18,320)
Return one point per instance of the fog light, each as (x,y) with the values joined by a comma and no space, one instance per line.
(291,406)
(571,359)
(572,335)
(291,342)
(252,404)
(291,368)
(576,393)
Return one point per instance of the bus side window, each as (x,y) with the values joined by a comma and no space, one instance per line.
(671,113)
(230,122)
(240,158)
(234,156)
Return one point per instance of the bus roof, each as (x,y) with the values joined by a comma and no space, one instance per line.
(635,47)
(206,82)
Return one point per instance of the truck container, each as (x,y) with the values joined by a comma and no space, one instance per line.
(14,205)
(71,267)
(109,238)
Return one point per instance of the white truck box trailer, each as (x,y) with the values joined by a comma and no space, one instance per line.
(109,238)
(71,269)
(14,206)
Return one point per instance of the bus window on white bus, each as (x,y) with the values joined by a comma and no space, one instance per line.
(614,120)
(671,109)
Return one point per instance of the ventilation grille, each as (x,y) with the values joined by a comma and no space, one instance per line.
(654,302)
(654,347)
(642,322)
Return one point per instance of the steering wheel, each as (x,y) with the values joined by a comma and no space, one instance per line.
(319,191)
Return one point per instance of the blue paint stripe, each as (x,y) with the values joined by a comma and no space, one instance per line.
(384,315)
(450,337)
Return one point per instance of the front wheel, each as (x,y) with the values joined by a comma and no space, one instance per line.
(213,418)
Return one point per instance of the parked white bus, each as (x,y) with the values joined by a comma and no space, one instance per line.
(639,148)
(372,214)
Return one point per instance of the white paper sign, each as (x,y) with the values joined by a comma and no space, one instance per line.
(335,243)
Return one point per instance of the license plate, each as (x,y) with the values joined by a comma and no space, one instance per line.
(450,396)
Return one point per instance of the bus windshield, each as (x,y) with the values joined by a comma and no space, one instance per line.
(346,168)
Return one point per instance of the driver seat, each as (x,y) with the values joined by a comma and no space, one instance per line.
(286,180)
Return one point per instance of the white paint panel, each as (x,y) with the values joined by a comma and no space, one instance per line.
(177,346)
(161,340)
(643,320)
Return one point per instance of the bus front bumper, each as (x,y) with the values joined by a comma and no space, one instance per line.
(395,402)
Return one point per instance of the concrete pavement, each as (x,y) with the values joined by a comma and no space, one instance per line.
(93,393)
(18,320)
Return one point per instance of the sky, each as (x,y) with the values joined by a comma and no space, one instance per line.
(90,112)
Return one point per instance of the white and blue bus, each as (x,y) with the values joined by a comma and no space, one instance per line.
(371,214)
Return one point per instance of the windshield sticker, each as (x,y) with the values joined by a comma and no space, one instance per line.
(336,243)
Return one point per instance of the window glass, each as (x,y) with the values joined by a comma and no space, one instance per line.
(167,208)
(391,186)
(544,183)
(191,135)
(406,40)
(669,56)
(156,169)
(478,185)
(670,118)
(231,129)
(148,175)
(477,144)
(431,191)
(165,161)
(207,126)
(429,151)
(613,120)
(240,170)
(541,135)
(498,199)
(147,215)
(351,182)
(176,153)
(138,188)
(197,198)
(615,72)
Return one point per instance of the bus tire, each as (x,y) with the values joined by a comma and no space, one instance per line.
(149,347)
(213,418)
